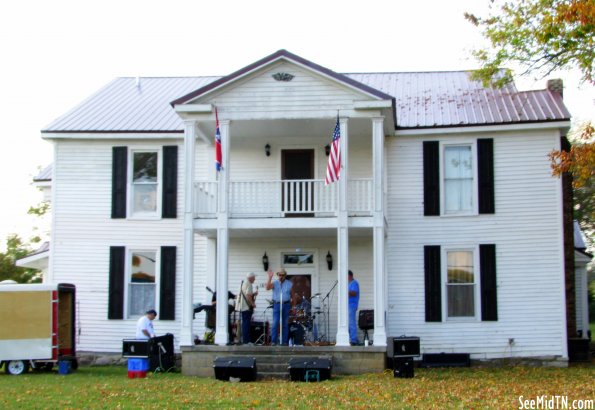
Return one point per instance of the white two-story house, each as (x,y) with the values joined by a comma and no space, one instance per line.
(445,210)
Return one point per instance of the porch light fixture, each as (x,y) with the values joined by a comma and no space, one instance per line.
(265,261)
(327,150)
(329,260)
(267,150)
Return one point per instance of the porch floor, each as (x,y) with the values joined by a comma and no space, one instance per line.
(272,361)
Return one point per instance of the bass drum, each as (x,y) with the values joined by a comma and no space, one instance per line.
(297,334)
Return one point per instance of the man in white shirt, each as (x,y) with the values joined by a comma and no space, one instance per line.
(245,304)
(144,326)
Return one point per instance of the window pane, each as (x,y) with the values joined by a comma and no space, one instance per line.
(298,259)
(458,179)
(460,267)
(143,267)
(145,167)
(457,162)
(141,297)
(145,197)
(461,300)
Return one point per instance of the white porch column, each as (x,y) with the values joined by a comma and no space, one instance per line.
(343,242)
(188,263)
(379,233)
(221,332)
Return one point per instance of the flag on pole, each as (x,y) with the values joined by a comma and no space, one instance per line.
(333,168)
(218,154)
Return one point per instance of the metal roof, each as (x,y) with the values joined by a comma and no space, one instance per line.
(423,99)
(451,98)
(129,104)
(44,175)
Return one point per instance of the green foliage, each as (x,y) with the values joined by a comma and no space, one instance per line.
(540,35)
(17,249)
(471,388)
(40,210)
(592,303)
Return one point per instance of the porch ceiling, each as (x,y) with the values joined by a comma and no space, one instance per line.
(360,129)
(298,233)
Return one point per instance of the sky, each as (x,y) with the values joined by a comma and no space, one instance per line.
(56,53)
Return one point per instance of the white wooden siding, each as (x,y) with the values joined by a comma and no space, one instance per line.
(83,232)
(526,229)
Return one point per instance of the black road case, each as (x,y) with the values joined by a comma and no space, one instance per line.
(243,368)
(309,369)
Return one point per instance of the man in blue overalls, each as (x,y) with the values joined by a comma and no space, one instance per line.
(281,305)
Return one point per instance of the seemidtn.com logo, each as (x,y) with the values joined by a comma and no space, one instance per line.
(554,402)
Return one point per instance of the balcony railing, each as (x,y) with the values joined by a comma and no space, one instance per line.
(305,197)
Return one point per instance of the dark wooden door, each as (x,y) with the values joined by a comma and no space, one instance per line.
(297,164)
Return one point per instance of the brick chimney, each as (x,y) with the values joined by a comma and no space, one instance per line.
(556,85)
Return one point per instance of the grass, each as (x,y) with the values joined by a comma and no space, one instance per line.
(109,387)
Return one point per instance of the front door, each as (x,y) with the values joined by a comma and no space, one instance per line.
(297,171)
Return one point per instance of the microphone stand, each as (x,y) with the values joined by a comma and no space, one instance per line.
(328,309)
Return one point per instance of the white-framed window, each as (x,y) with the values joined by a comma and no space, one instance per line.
(458,176)
(142,281)
(460,283)
(290,259)
(144,182)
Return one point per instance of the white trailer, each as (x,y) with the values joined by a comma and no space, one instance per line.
(38,327)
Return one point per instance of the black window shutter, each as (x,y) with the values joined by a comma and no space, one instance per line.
(487,266)
(431,178)
(117,260)
(433,284)
(170,181)
(119,168)
(167,298)
(485,164)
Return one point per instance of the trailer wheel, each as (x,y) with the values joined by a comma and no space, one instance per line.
(16,367)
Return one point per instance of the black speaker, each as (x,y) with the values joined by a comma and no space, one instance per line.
(305,369)
(134,348)
(366,319)
(405,346)
(403,367)
(161,353)
(257,329)
(243,368)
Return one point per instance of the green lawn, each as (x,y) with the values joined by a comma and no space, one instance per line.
(592,327)
(109,387)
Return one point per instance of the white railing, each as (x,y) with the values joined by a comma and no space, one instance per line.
(284,197)
(205,197)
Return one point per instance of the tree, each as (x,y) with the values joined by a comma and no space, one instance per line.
(17,249)
(540,35)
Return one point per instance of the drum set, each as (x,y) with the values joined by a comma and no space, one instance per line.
(305,323)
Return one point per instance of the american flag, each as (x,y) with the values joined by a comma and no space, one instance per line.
(218,155)
(333,169)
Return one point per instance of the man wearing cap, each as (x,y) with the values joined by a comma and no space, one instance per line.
(281,305)
(144,326)
(246,303)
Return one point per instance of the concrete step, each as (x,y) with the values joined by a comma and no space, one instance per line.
(273,375)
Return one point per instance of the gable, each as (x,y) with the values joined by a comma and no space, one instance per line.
(260,94)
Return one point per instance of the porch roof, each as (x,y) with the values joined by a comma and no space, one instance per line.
(422,100)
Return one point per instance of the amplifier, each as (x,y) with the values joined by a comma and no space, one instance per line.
(403,367)
(243,368)
(405,346)
(135,348)
(366,319)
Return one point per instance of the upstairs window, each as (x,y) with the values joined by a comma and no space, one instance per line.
(460,284)
(458,179)
(145,185)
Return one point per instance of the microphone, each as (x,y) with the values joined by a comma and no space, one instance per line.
(209,289)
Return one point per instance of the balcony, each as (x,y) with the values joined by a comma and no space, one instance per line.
(283,198)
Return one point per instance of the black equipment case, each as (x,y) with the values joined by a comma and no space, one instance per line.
(309,369)
(159,350)
(243,368)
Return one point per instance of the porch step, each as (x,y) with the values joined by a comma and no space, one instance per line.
(274,365)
